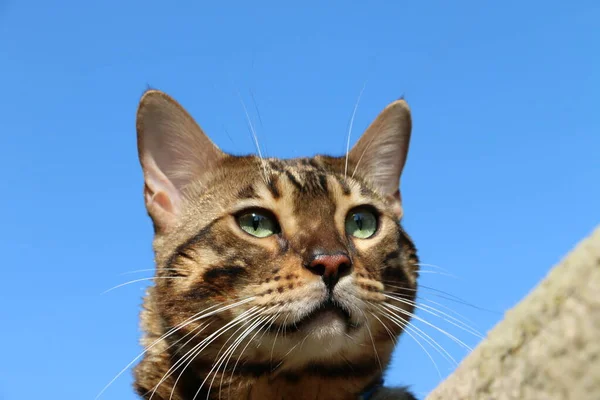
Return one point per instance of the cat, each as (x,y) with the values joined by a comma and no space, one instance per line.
(275,278)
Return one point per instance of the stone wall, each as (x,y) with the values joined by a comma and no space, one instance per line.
(547,347)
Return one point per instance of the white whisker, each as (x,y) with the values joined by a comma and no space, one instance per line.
(256,107)
(421,271)
(229,352)
(362,154)
(373,342)
(190,320)
(269,327)
(412,315)
(386,328)
(148,270)
(258,325)
(350,128)
(141,280)
(255,138)
(198,348)
(183,346)
(438,293)
(404,326)
(301,343)
(272,318)
(423,335)
(433,311)
(450,310)
(432,266)
(277,334)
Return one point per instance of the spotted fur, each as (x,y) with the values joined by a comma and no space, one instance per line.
(305,338)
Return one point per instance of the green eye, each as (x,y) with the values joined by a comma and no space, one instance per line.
(257,224)
(361,223)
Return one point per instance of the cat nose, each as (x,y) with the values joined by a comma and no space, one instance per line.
(330,267)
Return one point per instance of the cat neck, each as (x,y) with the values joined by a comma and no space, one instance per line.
(350,381)
(306,387)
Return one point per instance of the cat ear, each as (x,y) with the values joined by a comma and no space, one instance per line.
(380,153)
(173,151)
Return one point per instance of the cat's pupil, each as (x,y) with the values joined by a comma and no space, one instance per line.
(255,221)
(359,221)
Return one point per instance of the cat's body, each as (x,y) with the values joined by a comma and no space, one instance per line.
(275,277)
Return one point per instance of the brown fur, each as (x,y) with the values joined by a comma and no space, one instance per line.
(205,260)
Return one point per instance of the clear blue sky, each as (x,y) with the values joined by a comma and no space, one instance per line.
(502,179)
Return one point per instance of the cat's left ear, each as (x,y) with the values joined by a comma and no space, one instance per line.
(380,154)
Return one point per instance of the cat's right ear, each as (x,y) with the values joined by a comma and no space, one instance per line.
(380,153)
(173,151)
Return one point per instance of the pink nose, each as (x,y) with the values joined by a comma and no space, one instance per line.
(331,267)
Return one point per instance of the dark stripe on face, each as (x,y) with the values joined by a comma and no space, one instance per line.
(182,249)
(314,182)
(272,186)
(305,162)
(391,256)
(188,385)
(365,191)
(171,268)
(393,269)
(217,281)
(292,179)
(407,245)
(323,181)
(255,369)
(247,193)
(345,187)
(276,165)
(220,275)
(399,264)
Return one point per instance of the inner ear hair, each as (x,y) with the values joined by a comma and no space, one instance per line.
(173,151)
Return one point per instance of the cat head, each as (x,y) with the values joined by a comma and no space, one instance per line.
(306,257)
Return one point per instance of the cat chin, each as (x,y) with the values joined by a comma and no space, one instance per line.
(325,340)
(322,345)
(322,339)
(327,325)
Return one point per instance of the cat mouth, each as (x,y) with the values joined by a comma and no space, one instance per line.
(327,311)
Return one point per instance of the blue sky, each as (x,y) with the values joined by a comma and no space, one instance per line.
(501,181)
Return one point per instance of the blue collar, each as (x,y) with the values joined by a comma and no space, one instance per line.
(370,390)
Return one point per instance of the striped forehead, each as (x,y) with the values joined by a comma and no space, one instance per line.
(305,176)
(305,181)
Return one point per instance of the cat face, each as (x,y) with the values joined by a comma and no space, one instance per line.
(291,260)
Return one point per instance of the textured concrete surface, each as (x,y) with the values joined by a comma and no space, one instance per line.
(547,347)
